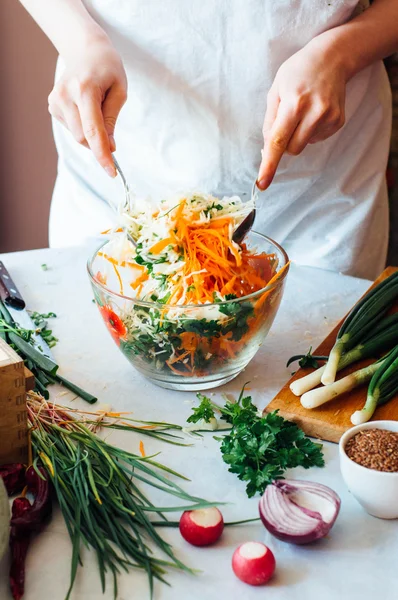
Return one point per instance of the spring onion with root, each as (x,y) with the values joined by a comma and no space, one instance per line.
(98,488)
(383,386)
(381,338)
(361,320)
(321,395)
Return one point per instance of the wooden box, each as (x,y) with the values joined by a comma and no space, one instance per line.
(13,415)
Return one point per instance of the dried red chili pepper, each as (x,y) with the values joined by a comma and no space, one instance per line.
(26,519)
(13,476)
(19,544)
(41,509)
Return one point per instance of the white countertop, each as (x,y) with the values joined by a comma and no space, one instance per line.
(358,560)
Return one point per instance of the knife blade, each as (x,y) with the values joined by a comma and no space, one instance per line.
(15,305)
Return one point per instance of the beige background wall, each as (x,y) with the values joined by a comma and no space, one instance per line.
(27,153)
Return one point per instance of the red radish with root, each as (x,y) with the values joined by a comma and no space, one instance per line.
(201,527)
(253,563)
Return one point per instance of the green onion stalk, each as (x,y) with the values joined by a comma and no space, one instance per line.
(381,338)
(383,386)
(321,395)
(43,368)
(98,488)
(360,322)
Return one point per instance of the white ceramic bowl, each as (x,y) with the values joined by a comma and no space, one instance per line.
(376,491)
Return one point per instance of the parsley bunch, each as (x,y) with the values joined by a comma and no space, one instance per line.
(259,449)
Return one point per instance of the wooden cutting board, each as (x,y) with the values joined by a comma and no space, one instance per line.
(330,421)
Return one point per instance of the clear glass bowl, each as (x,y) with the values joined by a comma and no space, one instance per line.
(192,347)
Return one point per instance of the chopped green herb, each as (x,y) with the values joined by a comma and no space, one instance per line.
(259,449)
(213,206)
(204,412)
(307,360)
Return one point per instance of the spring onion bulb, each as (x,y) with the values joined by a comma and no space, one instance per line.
(319,396)
(382,337)
(383,386)
(359,323)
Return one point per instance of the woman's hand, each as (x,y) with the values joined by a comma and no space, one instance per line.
(304,105)
(89,96)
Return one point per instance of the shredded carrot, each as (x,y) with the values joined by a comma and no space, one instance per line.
(142,449)
(220,266)
(118,230)
(135,284)
(101,278)
(136,266)
(113,261)
(119,278)
(275,278)
(161,245)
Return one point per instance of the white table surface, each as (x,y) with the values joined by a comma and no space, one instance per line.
(358,560)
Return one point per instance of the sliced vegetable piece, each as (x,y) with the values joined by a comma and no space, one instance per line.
(202,527)
(299,512)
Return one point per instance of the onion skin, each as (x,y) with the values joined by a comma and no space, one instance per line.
(200,535)
(280,514)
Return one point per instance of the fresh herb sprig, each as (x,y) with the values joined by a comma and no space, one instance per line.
(258,448)
(307,360)
(204,412)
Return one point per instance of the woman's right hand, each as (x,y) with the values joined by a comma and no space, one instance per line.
(88,97)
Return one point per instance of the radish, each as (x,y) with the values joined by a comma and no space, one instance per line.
(253,563)
(201,527)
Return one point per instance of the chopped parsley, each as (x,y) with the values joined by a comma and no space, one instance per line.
(259,448)
(213,206)
(204,412)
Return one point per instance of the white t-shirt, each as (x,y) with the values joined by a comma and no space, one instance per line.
(198,75)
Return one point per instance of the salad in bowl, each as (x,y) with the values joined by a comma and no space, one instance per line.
(187,305)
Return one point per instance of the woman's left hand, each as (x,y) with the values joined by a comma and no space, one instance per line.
(304,105)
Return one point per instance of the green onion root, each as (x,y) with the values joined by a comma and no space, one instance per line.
(310,381)
(324,394)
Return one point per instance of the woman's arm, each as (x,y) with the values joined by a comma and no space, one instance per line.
(90,94)
(306,101)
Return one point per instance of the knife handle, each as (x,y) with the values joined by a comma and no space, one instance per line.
(8,290)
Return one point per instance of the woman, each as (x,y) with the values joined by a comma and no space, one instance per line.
(200,76)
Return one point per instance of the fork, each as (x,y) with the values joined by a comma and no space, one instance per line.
(243,229)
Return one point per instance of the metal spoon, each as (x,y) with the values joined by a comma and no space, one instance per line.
(127,198)
(243,229)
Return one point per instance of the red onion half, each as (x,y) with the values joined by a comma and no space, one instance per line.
(299,512)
